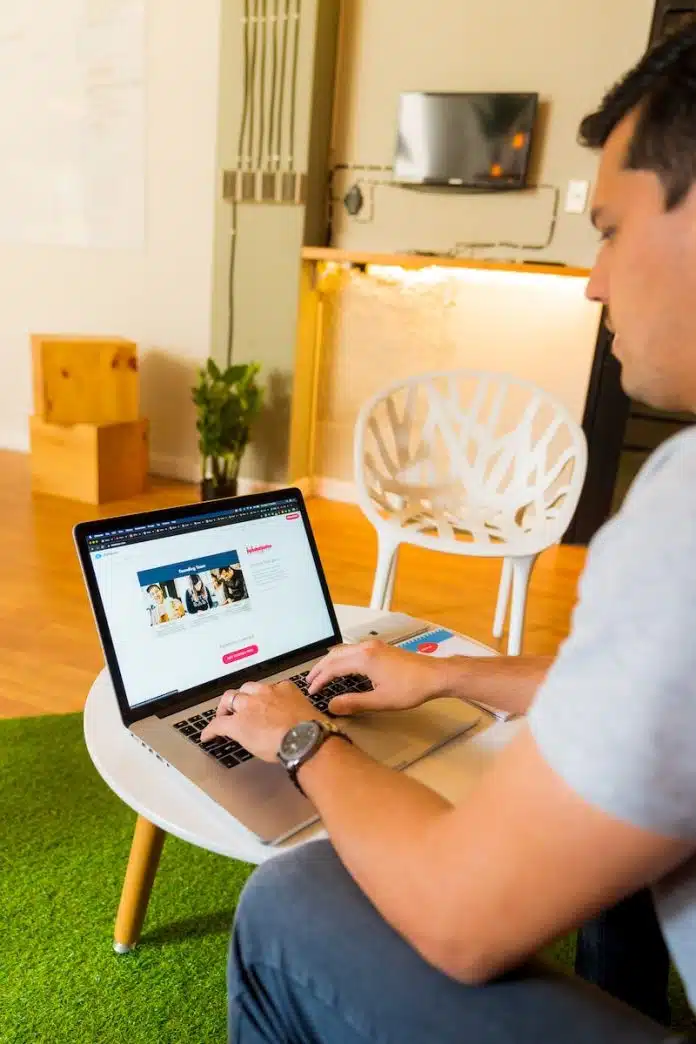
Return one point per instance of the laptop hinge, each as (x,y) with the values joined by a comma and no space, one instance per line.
(176,706)
(258,673)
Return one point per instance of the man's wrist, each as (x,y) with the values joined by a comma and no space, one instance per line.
(302,740)
(333,742)
(312,715)
(451,676)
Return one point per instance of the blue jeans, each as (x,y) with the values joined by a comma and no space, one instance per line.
(312,962)
(623,952)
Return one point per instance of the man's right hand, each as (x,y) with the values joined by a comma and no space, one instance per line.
(400,679)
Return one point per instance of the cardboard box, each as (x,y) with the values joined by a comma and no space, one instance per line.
(85,380)
(94,463)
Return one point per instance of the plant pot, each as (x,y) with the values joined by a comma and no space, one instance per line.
(210,491)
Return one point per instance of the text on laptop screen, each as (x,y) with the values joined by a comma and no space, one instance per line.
(190,600)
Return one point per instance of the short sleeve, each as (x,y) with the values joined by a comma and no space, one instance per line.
(616,715)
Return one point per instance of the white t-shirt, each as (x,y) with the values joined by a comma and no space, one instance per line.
(616,716)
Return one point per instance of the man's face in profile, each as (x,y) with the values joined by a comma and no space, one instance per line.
(646,276)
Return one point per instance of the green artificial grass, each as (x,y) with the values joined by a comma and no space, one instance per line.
(64,843)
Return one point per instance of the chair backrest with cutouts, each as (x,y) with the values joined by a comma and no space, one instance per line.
(470,452)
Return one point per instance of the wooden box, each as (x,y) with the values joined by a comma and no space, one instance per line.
(94,463)
(85,380)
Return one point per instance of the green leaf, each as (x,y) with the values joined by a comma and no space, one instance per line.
(227,403)
(235,373)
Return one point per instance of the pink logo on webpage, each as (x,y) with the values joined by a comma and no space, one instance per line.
(260,547)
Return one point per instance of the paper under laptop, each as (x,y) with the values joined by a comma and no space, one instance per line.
(427,640)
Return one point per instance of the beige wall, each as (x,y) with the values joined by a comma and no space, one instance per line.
(159,296)
(386,325)
(569,51)
(536,327)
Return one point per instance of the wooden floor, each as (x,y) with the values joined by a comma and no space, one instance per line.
(49,653)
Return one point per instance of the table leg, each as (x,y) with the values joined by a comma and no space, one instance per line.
(143,861)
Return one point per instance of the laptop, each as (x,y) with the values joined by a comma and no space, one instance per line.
(192,601)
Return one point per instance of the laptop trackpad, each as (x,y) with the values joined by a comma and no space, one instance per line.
(394,736)
(375,734)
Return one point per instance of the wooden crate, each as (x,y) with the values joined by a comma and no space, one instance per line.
(85,380)
(94,463)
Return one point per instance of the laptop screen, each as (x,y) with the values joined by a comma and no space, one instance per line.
(189,600)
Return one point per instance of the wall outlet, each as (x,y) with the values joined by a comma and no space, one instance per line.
(576,197)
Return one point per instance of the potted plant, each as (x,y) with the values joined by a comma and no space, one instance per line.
(227,403)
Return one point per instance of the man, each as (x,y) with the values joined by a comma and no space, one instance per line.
(164,608)
(234,585)
(390,931)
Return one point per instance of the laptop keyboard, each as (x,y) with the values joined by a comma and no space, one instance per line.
(230,753)
(337,687)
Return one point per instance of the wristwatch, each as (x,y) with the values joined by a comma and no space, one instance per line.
(302,741)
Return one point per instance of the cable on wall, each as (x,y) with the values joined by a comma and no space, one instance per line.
(274,83)
(458,249)
(252,81)
(244,157)
(230,285)
(245,100)
(263,25)
(293,89)
(503,244)
(283,67)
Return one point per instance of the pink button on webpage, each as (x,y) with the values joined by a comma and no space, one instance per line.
(240,654)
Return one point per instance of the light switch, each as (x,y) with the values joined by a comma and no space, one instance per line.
(576,197)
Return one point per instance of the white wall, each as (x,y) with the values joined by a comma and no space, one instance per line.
(159,296)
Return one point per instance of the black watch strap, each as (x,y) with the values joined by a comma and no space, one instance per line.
(327,731)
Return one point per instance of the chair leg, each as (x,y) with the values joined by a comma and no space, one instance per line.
(503,599)
(521,572)
(389,594)
(143,861)
(383,583)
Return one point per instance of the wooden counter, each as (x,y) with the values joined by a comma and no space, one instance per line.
(310,333)
(357,257)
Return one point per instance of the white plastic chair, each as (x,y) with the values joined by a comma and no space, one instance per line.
(470,463)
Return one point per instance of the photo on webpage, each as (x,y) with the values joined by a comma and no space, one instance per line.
(183,590)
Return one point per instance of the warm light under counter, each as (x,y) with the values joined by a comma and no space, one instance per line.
(427,261)
(368,319)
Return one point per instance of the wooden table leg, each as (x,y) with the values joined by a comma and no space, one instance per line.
(143,861)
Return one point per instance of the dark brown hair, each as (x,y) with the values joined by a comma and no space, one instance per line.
(662,86)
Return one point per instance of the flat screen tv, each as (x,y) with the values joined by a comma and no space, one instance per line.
(475,141)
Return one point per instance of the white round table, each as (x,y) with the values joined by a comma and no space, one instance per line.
(167,803)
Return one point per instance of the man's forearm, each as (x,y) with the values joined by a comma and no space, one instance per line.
(508,683)
(379,822)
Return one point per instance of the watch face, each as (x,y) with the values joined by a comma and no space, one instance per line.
(299,740)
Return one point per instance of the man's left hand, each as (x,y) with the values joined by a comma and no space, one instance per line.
(258,716)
